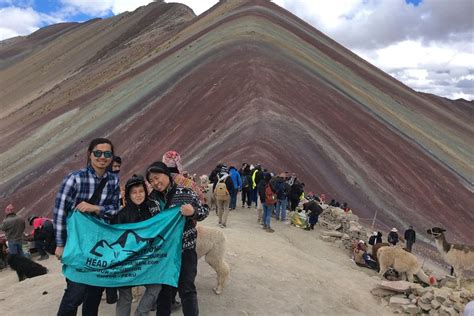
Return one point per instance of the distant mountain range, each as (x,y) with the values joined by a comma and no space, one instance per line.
(246,81)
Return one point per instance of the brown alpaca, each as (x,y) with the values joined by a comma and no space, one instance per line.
(402,261)
(460,257)
(211,244)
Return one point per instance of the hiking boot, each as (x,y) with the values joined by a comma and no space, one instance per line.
(46,256)
(270,230)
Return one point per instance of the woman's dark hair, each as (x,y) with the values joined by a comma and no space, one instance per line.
(95,142)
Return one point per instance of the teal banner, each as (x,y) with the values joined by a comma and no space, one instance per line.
(101,254)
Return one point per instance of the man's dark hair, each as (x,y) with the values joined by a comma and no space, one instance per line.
(95,142)
(117,159)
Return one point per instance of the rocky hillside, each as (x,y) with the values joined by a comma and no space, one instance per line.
(244,81)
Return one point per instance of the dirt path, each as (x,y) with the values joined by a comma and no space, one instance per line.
(288,272)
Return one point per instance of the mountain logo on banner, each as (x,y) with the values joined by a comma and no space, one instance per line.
(128,242)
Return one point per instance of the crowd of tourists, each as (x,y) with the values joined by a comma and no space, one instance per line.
(95,190)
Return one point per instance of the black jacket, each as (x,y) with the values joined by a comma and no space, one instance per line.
(314,208)
(132,213)
(392,238)
(177,195)
(410,235)
(295,191)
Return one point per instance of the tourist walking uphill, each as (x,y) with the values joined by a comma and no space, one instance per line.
(91,190)
(167,194)
(237,187)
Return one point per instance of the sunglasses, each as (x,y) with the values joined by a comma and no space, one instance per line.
(98,153)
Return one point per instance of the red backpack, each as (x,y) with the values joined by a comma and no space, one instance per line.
(270,196)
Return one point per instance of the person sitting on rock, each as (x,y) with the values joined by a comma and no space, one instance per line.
(362,258)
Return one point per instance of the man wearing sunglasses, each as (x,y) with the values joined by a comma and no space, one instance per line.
(91,190)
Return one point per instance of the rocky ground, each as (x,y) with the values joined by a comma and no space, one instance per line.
(288,272)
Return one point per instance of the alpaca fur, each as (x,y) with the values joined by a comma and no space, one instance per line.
(376,247)
(210,197)
(460,257)
(402,261)
(211,244)
(25,268)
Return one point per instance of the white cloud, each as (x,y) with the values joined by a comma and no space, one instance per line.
(412,43)
(91,7)
(9,17)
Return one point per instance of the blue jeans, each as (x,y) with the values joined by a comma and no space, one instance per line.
(254,197)
(233,198)
(281,209)
(15,248)
(267,214)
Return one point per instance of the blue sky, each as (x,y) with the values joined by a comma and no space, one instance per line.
(426,44)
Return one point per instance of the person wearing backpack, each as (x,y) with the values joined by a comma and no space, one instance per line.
(269,199)
(282,188)
(222,191)
(246,184)
(237,186)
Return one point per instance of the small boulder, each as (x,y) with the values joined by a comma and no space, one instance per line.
(435,304)
(326,238)
(411,309)
(379,292)
(447,311)
(427,297)
(425,306)
(397,301)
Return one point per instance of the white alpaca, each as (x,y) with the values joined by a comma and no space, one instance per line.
(211,244)
(460,257)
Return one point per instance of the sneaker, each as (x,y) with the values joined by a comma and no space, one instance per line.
(45,257)
(248,206)
(224,225)
(269,230)
(221,226)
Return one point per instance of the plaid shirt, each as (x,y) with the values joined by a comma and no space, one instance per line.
(79,186)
